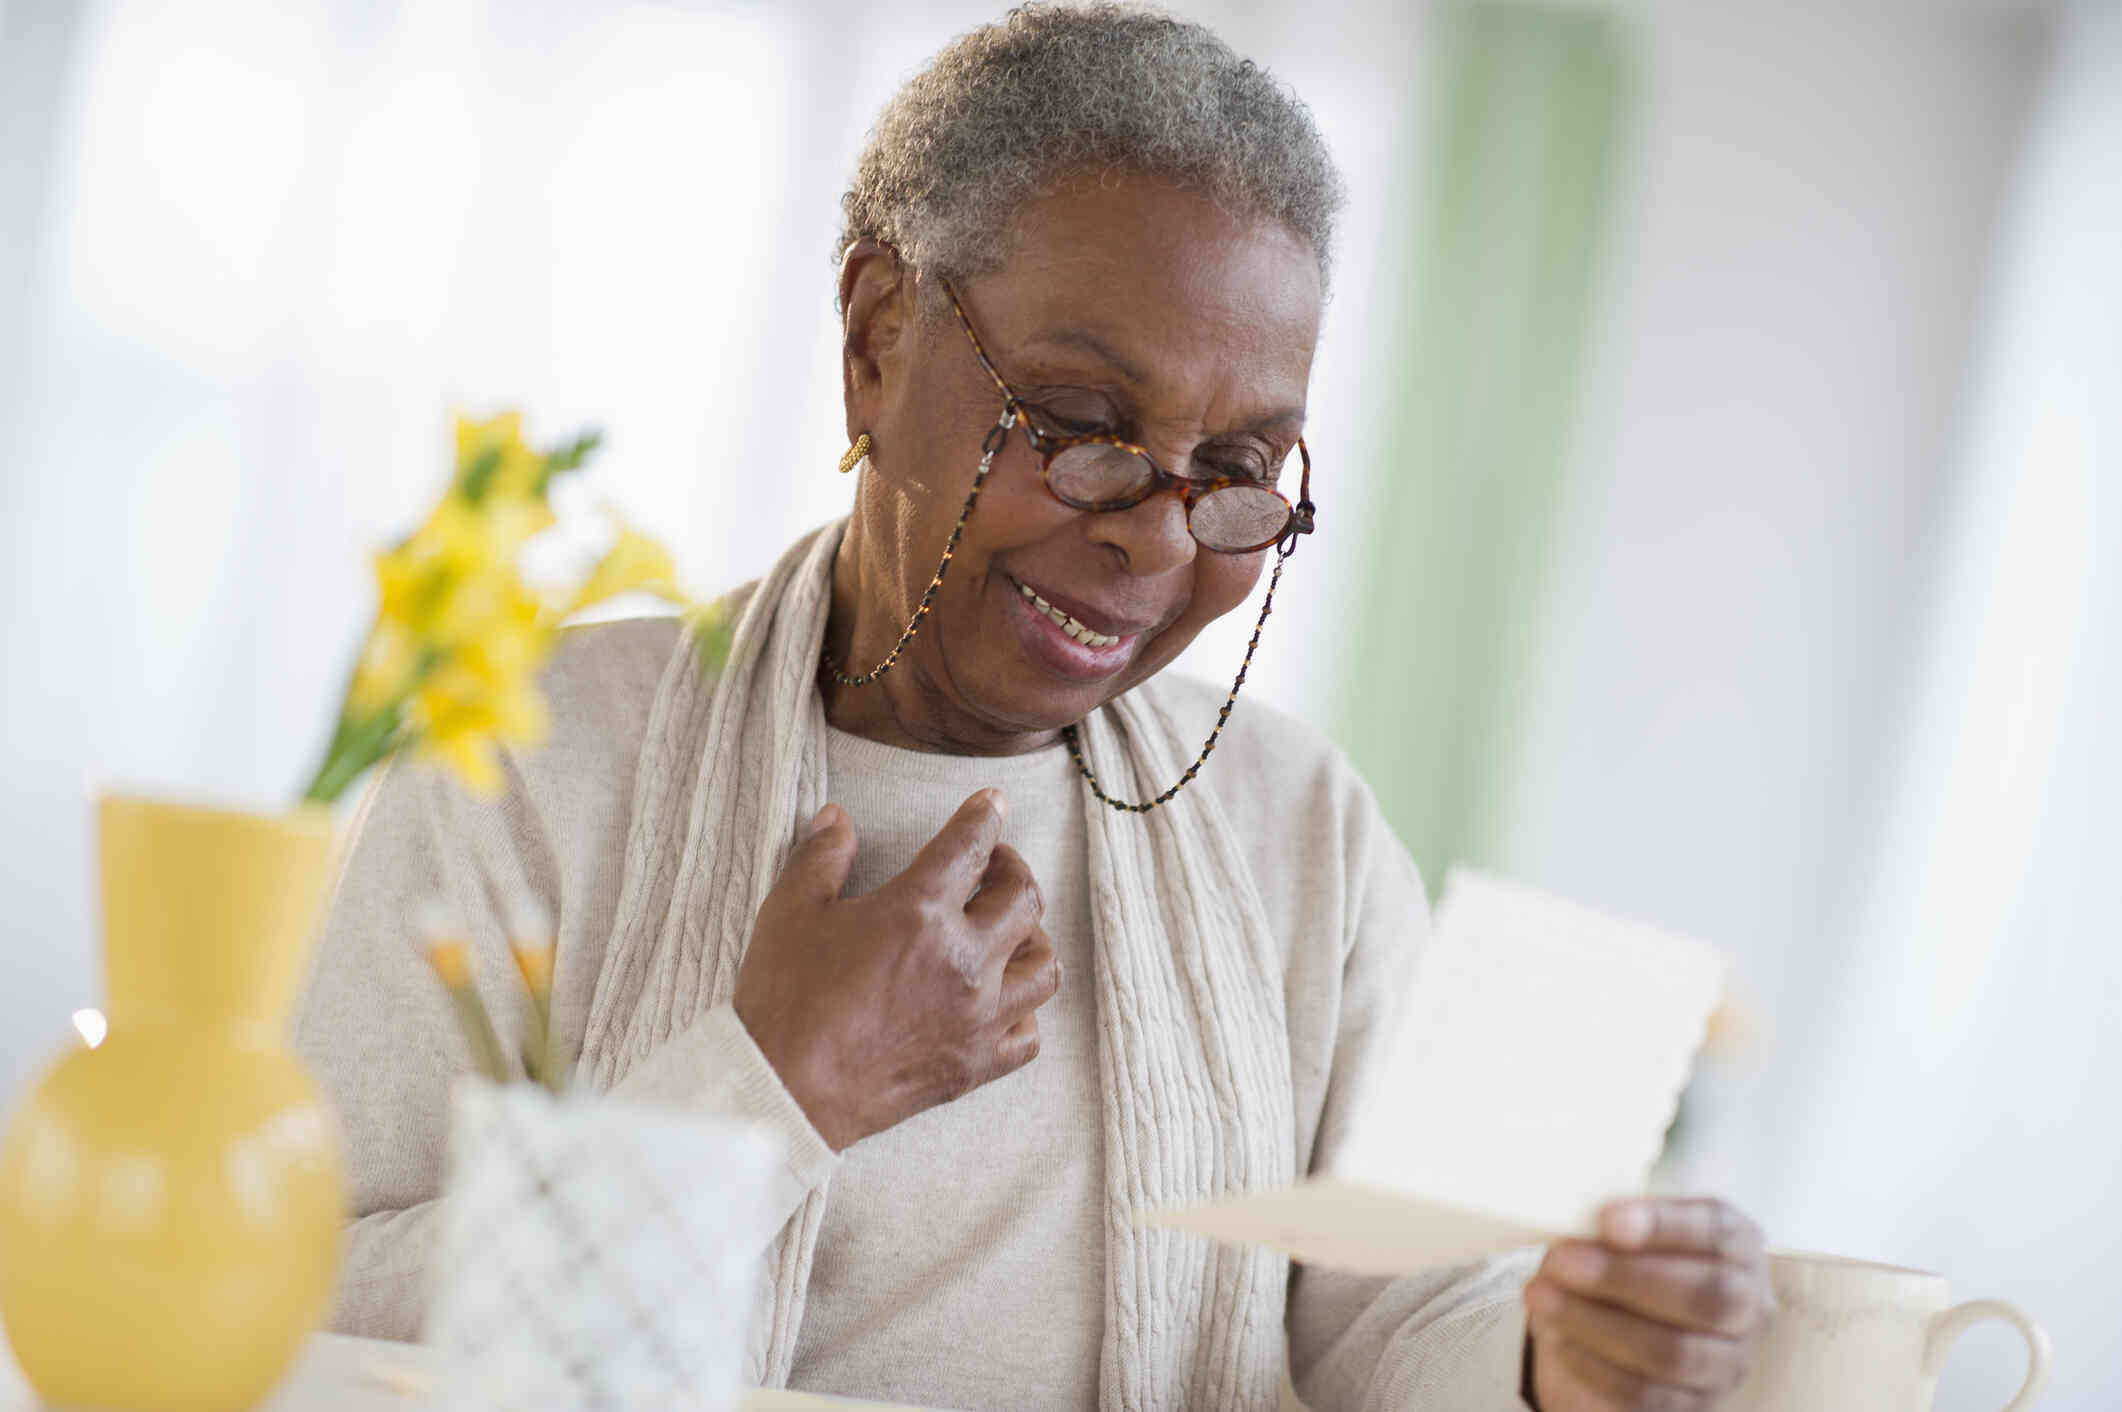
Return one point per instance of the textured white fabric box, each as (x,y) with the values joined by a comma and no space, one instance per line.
(595,1254)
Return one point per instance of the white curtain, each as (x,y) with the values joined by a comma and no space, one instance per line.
(275,244)
(1959,1107)
(253,251)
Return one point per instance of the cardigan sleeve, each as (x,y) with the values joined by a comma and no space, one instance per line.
(1450,1340)
(377,1033)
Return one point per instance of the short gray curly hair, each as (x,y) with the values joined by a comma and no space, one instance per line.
(1001,109)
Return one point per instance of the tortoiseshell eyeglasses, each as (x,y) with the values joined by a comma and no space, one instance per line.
(1098,472)
(1227,514)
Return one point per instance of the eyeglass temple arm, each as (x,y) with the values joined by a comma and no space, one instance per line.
(1302,515)
(965,322)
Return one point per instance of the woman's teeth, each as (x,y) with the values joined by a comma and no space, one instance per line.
(1068,625)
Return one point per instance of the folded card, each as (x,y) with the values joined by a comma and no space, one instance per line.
(1535,1071)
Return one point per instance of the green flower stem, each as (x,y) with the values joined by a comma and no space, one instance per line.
(561,1072)
(537,1049)
(479,1033)
(356,745)
(360,741)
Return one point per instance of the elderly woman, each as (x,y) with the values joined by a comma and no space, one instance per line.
(936,875)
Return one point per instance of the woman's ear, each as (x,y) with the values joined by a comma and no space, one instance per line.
(876,317)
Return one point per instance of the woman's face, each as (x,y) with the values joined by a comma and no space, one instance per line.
(1129,306)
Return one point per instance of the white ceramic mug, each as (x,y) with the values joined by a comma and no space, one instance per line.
(1855,1335)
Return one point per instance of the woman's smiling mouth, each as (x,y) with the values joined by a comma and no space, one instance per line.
(1067,644)
(1081,632)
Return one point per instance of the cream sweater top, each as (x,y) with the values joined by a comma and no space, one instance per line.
(960,1263)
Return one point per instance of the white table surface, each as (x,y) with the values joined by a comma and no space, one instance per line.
(368,1375)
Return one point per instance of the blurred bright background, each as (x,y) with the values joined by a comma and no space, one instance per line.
(1719,433)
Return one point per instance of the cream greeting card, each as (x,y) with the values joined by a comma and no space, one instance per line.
(1538,1065)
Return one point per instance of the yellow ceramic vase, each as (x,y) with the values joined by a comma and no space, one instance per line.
(171,1203)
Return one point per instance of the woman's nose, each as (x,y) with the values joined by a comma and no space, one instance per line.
(1151,537)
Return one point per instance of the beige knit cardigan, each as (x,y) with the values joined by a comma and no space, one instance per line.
(1193,1042)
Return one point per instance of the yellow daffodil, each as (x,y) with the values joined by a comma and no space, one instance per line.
(450,667)
(493,457)
(534,958)
(386,669)
(450,670)
(452,959)
(447,580)
(482,696)
(634,564)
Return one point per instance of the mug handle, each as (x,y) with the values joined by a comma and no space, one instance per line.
(1956,1320)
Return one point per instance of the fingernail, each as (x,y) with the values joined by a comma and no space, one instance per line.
(1628,1223)
(996,802)
(819,821)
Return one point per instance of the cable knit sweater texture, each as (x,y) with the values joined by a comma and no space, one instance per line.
(1248,948)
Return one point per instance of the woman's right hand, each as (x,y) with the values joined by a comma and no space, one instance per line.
(874,1008)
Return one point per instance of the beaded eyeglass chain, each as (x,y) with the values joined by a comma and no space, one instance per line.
(1075,747)
(988,448)
(994,442)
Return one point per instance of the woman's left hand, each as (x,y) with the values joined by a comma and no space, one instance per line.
(1659,1314)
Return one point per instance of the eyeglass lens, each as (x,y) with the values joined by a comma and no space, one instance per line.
(1232,518)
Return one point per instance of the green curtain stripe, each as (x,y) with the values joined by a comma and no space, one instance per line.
(1518,184)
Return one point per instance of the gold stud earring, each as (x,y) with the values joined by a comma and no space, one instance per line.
(855,454)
